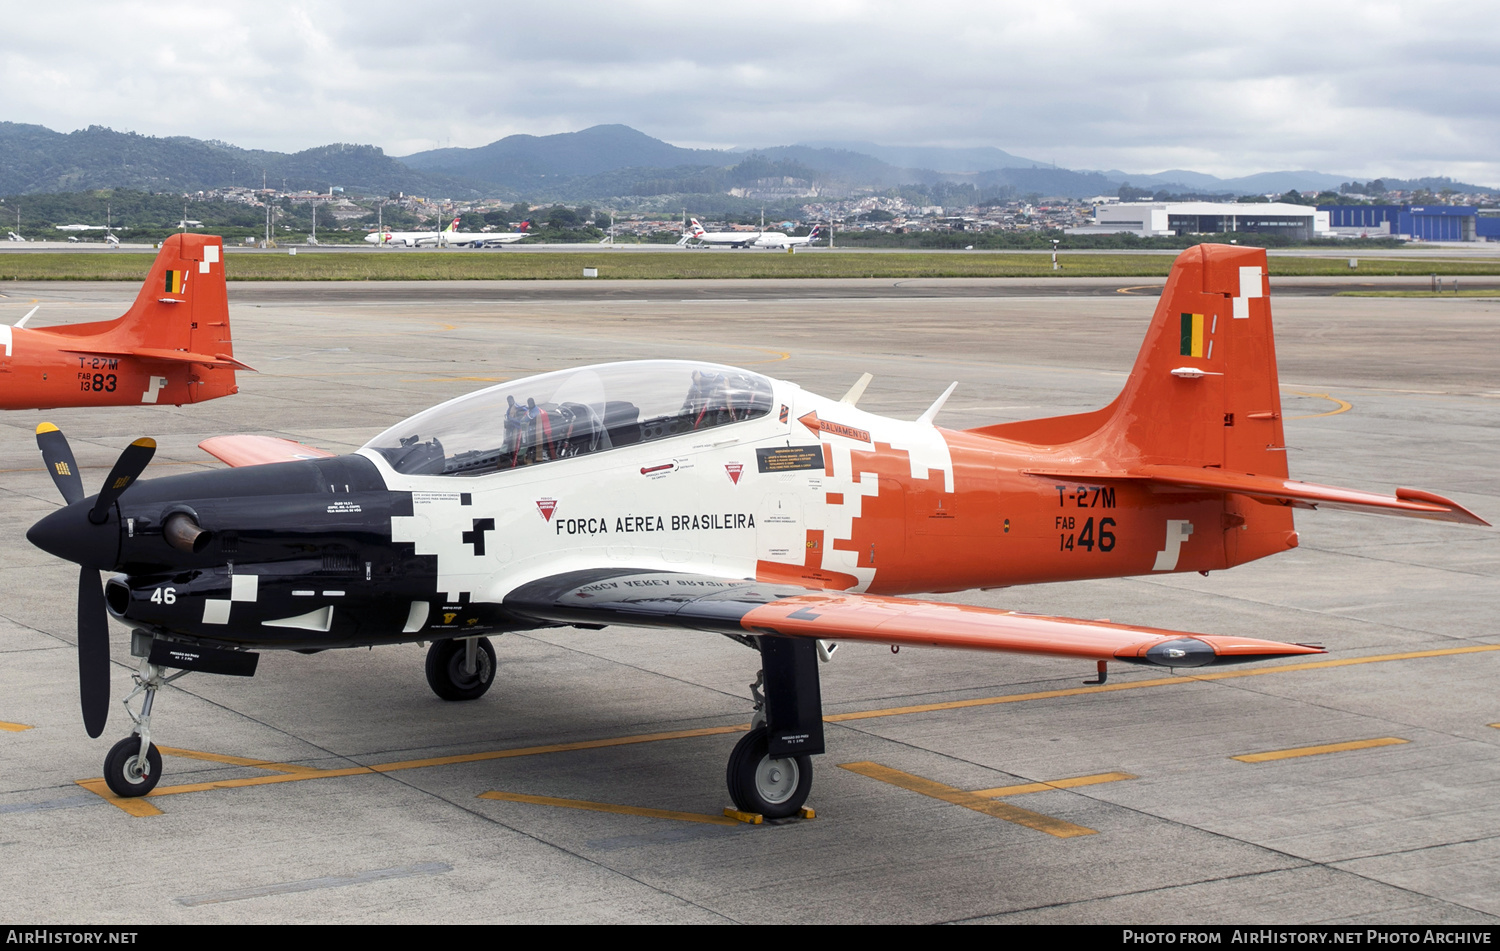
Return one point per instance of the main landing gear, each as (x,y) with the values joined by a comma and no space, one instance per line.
(770,769)
(461,668)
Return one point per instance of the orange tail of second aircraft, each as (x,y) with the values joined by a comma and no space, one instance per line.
(172,346)
(1201,412)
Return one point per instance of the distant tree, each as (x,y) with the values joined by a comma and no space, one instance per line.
(561,217)
(1253,199)
(1128,192)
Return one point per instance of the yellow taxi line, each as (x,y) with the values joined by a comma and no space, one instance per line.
(137,807)
(294,774)
(1319,750)
(97,785)
(235,760)
(1157,682)
(1072,783)
(1344,405)
(960,797)
(611,807)
(13,727)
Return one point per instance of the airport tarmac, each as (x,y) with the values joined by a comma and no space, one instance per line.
(588,784)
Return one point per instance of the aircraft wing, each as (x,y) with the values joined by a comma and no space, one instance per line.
(745,607)
(1413,503)
(249,450)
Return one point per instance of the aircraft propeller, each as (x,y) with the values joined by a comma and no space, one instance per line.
(82,545)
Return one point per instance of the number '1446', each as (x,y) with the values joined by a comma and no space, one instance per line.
(1086,538)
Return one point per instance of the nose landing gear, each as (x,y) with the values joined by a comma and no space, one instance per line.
(127,772)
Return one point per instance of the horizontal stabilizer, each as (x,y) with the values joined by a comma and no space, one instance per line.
(170,356)
(1413,503)
(249,450)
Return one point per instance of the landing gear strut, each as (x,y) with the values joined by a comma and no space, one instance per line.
(126,771)
(770,769)
(461,668)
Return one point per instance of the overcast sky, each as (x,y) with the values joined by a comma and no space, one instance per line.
(1357,88)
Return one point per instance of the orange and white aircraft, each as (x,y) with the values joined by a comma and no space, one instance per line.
(172,346)
(681,494)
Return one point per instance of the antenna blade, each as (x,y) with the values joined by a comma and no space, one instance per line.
(857,390)
(932,410)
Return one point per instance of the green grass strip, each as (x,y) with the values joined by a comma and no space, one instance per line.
(462,265)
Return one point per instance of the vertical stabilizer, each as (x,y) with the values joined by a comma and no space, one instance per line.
(1203,391)
(183,306)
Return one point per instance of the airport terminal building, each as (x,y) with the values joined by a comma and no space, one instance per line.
(1160,219)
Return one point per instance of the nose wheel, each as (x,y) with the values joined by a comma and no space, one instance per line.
(127,773)
(461,668)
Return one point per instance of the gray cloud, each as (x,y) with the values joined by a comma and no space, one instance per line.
(1354,88)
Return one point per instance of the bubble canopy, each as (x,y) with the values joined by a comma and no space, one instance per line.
(571,413)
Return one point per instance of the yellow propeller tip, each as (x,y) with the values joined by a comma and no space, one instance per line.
(145,442)
(46,428)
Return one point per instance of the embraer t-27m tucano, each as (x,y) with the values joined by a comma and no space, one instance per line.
(172,346)
(690,495)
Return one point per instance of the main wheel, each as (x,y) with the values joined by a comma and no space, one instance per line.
(125,773)
(773,786)
(446,674)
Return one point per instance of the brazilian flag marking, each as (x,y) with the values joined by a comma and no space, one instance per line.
(1192,335)
(175,281)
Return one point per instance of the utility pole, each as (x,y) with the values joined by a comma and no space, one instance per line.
(315,224)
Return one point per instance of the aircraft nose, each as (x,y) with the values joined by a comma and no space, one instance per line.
(68,534)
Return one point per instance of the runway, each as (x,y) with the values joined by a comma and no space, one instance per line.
(588,784)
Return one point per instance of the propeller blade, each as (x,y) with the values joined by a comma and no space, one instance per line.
(58,457)
(93,652)
(128,467)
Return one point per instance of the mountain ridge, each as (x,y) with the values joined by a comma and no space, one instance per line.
(599,162)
